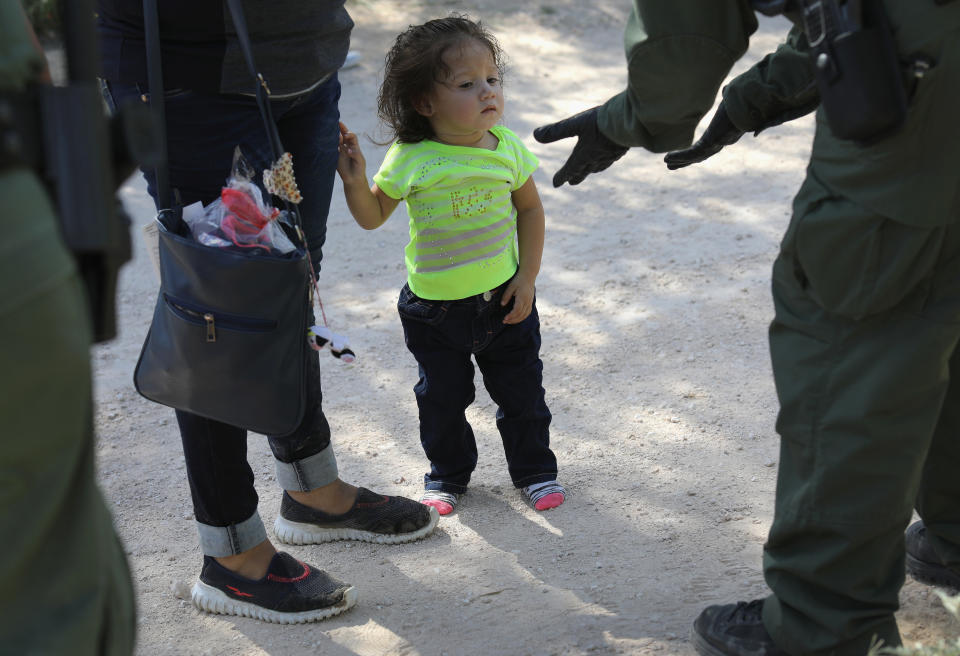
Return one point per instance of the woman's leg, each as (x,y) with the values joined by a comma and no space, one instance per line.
(202,132)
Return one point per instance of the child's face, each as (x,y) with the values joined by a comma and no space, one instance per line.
(464,106)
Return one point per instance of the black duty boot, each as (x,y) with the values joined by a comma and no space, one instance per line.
(733,629)
(924,564)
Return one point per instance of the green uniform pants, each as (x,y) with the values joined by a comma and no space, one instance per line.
(864,356)
(867,299)
(64,583)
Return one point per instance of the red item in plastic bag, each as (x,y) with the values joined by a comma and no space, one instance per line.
(243,217)
(244,207)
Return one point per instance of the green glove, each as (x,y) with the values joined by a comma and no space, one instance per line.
(593,153)
(721,132)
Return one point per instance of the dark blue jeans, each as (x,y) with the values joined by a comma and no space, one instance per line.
(202,132)
(442,335)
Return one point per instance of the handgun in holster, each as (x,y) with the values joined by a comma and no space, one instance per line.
(858,73)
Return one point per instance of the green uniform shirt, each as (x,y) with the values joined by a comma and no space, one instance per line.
(24,242)
(19,62)
(779,88)
(463,223)
(677,59)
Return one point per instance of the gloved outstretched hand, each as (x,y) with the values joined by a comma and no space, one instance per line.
(594,152)
(719,133)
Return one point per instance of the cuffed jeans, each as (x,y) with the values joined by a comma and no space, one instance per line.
(202,132)
(442,336)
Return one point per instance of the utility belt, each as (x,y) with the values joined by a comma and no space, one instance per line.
(863,82)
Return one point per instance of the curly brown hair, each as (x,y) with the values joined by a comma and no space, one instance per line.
(415,63)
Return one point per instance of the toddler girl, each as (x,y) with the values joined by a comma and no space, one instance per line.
(476,238)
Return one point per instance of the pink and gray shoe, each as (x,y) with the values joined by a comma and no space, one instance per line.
(546,495)
(444,502)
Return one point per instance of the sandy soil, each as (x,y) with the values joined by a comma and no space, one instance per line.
(654,302)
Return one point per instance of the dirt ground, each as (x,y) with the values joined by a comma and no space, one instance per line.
(654,302)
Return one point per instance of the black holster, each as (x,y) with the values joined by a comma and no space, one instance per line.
(857,69)
(81,173)
(61,134)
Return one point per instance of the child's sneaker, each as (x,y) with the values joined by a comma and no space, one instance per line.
(546,495)
(444,502)
(291,592)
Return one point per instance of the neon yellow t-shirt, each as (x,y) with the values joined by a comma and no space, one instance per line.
(463,224)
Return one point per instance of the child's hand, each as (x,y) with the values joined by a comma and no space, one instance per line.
(521,290)
(351,164)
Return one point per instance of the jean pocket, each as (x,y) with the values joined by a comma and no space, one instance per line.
(412,307)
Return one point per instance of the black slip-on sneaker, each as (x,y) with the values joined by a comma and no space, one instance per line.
(373,518)
(292,592)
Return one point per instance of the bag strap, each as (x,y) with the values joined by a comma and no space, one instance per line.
(260,85)
(155,80)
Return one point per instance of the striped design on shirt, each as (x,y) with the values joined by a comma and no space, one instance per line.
(462,219)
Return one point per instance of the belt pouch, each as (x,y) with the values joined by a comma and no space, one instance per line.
(857,70)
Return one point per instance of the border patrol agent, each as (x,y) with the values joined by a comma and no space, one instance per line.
(64,583)
(866,290)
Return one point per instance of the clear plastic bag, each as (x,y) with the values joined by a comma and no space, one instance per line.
(240,219)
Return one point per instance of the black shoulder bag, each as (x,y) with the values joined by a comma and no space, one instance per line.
(228,339)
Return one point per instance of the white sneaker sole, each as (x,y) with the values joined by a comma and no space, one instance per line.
(210,599)
(290,532)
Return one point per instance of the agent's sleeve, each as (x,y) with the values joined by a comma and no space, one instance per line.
(779,88)
(20,62)
(678,54)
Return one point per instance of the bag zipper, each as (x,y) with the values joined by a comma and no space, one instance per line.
(210,320)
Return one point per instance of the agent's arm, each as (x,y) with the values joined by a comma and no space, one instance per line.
(779,88)
(530,230)
(677,57)
(369,206)
(23,57)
